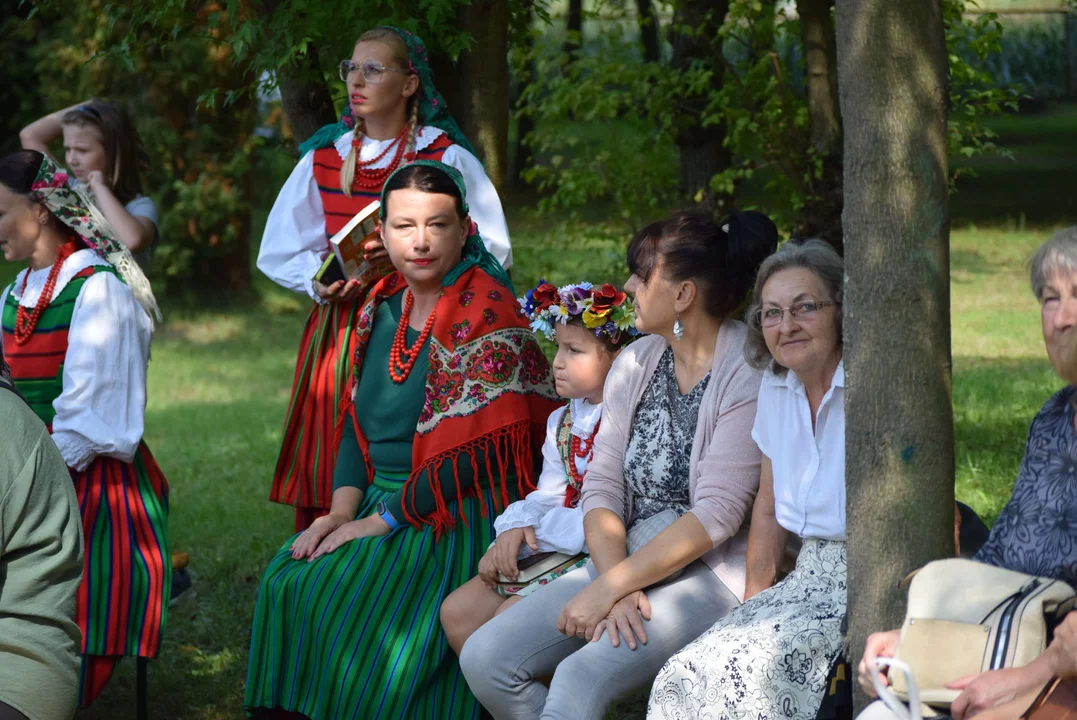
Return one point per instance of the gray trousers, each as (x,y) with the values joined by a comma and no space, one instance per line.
(505,659)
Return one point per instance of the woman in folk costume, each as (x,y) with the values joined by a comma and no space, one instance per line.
(76,332)
(439,432)
(401,117)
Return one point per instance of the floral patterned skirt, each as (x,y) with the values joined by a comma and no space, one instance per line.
(769,658)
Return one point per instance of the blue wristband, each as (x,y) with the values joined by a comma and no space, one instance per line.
(384,514)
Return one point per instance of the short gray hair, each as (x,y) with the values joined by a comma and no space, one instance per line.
(814,255)
(1058,253)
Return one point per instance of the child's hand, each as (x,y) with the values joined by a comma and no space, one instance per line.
(487,569)
(507,549)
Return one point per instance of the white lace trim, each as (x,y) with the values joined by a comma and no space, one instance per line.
(584,418)
(372,148)
(79,261)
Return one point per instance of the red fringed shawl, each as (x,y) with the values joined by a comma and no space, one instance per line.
(488,390)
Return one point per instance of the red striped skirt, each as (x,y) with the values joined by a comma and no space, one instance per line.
(304,474)
(122,602)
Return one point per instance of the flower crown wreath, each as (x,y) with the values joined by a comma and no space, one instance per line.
(605,310)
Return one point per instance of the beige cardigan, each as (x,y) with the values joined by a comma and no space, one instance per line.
(724,466)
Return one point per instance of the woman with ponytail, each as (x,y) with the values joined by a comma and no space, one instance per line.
(673,476)
(395,115)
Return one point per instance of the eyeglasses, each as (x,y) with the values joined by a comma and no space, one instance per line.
(373,72)
(804,312)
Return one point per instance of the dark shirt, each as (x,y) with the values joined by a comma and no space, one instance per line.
(1037,530)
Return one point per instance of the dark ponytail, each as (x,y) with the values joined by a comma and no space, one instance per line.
(721,259)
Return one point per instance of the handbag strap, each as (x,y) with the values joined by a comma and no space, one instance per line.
(888,698)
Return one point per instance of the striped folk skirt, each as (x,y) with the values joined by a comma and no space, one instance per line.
(304,474)
(356,634)
(122,603)
(770,657)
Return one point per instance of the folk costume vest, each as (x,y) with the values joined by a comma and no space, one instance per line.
(122,602)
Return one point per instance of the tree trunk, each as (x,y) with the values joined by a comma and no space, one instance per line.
(573,28)
(476,86)
(305,99)
(892,72)
(525,122)
(648,30)
(821,216)
(702,155)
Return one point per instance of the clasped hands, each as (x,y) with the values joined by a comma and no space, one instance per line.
(598,608)
(328,533)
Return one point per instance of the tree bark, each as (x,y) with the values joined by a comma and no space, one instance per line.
(821,216)
(305,99)
(573,28)
(702,155)
(476,86)
(648,30)
(893,81)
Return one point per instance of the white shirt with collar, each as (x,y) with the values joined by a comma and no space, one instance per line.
(809,466)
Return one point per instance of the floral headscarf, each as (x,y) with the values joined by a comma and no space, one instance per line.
(75,209)
(433,110)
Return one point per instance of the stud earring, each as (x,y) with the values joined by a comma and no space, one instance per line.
(678,328)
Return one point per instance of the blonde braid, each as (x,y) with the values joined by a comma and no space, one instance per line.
(347,170)
(413,135)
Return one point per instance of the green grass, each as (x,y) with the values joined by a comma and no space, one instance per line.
(219,383)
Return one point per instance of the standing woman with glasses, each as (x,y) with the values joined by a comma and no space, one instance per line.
(770,656)
(104,153)
(395,115)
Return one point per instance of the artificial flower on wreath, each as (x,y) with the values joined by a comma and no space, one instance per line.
(604,310)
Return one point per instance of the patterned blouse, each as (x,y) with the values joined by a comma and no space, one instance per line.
(660,445)
(1037,530)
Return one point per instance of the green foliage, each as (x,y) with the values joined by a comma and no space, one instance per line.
(756,96)
(199,155)
(1029,55)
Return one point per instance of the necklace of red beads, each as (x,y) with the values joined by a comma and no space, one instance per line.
(368,178)
(26,320)
(584,450)
(401,358)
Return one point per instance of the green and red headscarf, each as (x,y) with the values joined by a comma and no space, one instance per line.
(433,110)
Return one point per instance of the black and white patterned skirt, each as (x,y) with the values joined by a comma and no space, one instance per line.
(769,658)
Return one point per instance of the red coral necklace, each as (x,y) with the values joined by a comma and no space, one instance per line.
(584,450)
(26,321)
(403,357)
(368,178)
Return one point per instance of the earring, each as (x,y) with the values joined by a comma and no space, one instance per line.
(678,328)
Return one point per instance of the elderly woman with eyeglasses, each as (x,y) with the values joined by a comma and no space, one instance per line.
(1035,533)
(394,115)
(770,656)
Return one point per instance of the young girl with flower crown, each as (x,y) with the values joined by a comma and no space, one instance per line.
(590,325)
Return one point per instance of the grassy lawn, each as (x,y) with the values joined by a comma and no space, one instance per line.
(219,384)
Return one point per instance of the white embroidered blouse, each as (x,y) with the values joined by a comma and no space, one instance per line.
(101,410)
(557,528)
(294,243)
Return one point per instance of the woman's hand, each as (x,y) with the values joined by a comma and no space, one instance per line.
(882,644)
(506,550)
(338,292)
(993,688)
(307,541)
(627,619)
(370,526)
(374,250)
(96,180)
(582,614)
(1062,654)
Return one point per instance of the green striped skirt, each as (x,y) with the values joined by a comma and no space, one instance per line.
(356,633)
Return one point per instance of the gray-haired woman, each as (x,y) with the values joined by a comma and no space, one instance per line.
(1036,533)
(770,656)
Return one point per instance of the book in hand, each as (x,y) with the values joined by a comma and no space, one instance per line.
(347,262)
(537,565)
